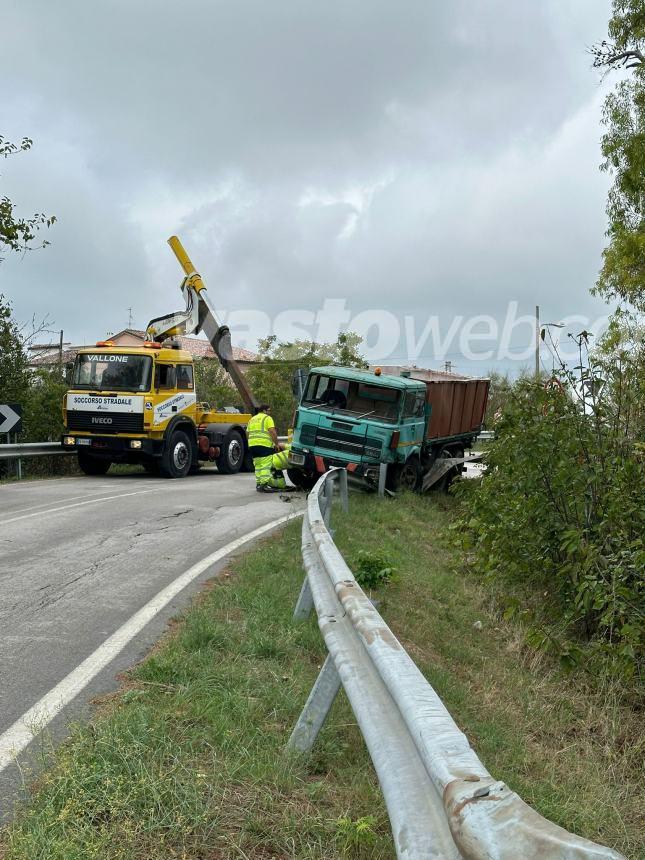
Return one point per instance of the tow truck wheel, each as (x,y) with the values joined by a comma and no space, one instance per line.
(90,465)
(177,457)
(232,454)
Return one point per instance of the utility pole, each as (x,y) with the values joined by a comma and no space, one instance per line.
(129,317)
(447,366)
(537,341)
(60,352)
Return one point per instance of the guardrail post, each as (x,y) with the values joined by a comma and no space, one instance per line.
(316,708)
(18,462)
(305,602)
(329,495)
(8,442)
(382,478)
(344,493)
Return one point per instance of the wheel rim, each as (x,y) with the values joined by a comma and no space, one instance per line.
(408,476)
(235,452)
(180,455)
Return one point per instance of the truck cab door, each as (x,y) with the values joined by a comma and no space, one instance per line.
(413,419)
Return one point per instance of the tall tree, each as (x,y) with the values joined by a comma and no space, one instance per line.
(270,379)
(213,385)
(623,146)
(17,233)
(14,369)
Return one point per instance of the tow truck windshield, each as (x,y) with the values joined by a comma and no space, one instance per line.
(112,372)
(358,399)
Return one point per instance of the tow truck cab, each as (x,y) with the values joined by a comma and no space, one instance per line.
(139,405)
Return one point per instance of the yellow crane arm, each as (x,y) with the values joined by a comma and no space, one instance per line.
(200,316)
(185,262)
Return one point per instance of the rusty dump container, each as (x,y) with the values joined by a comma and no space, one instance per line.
(458,402)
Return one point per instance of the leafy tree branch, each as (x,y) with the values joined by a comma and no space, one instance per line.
(18,233)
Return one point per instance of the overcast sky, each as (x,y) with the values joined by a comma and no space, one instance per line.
(415,157)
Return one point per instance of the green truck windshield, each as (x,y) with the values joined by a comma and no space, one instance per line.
(112,372)
(358,399)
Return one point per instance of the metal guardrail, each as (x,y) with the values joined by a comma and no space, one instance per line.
(44,449)
(18,451)
(441,800)
(47,449)
(32,449)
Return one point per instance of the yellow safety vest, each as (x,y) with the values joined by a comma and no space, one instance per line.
(257,430)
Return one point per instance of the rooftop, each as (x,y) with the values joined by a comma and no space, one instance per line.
(47,355)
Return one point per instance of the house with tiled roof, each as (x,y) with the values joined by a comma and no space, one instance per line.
(50,355)
(198,347)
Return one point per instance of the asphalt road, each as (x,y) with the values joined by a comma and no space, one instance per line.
(80,556)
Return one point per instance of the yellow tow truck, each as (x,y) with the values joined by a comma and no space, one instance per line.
(139,405)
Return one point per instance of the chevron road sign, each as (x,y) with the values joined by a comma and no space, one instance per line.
(10,418)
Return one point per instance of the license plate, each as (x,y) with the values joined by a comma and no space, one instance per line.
(297,459)
(83,441)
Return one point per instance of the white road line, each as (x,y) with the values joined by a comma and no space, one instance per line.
(25,729)
(56,501)
(26,486)
(75,505)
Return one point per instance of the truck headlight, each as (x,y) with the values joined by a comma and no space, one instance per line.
(372,452)
(68,440)
(135,443)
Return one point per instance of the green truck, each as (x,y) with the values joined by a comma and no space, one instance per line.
(409,419)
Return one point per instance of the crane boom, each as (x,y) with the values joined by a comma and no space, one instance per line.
(199,315)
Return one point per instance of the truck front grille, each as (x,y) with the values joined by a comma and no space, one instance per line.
(347,443)
(105,422)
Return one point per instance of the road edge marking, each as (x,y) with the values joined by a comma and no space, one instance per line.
(19,735)
(75,505)
(56,502)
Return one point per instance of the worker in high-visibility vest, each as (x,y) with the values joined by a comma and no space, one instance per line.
(269,456)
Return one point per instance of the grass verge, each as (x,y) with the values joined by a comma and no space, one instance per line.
(188,760)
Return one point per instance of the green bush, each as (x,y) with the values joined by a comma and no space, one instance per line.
(39,392)
(372,569)
(559,512)
(270,379)
(355,837)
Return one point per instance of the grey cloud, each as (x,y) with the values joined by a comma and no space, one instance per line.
(417,156)
(203,85)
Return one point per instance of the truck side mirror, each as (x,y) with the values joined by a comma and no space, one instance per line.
(298,381)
